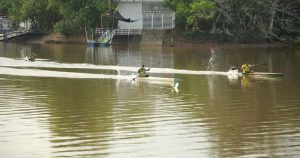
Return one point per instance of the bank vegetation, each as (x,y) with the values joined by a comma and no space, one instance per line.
(245,21)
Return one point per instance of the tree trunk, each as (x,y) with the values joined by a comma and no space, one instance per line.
(272,12)
(214,26)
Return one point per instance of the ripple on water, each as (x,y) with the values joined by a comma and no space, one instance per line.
(146,121)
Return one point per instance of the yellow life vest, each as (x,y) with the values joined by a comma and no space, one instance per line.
(246,68)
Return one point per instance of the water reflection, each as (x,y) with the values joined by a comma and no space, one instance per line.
(81,120)
(100,55)
(212,116)
(14,50)
(214,59)
(245,81)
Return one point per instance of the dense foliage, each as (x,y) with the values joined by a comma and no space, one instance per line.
(65,16)
(228,20)
(238,20)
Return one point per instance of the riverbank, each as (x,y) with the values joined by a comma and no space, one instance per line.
(56,38)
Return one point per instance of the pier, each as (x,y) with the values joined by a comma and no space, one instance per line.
(10,34)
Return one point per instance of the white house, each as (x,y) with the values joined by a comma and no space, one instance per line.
(26,25)
(5,23)
(145,14)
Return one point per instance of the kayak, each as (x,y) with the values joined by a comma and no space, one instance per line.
(174,82)
(80,75)
(39,63)
(263,73)
(236,72)
(27,58)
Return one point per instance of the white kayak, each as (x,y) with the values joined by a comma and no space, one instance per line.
(236,72)
(63,74)
(174,82)
(27,58)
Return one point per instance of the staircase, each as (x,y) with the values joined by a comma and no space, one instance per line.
(106,37)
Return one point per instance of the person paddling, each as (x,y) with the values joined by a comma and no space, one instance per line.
(31,57)
(142,71)
(246,68)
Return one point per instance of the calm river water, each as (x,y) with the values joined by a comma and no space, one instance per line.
(69,103)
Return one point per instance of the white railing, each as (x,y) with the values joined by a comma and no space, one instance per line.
(128,31)
(102,31)
(157,12)
(107,36)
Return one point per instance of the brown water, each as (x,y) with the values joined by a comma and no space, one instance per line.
(211,116)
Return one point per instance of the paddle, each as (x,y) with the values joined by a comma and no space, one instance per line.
(254,65)
(261,64)
(234,68)
(134,77)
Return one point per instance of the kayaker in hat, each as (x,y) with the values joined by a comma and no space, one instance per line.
(142,71)
(246,68)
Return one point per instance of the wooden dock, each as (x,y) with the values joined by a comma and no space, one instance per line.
(7,35)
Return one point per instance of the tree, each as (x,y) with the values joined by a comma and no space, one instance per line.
(201,14)
(37,11)
(80,13)
(69,15)
(181,8)
(273,19)
(240,19)
(3,7)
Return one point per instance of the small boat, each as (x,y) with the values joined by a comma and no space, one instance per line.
(104,44)
(29,58)
(263,73)
(92,43)
(174,82)
(236,72)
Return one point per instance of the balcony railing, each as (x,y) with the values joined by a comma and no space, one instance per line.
(101,31)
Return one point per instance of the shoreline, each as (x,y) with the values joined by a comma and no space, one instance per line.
(56,38)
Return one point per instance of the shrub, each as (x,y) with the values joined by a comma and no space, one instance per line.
(65,28)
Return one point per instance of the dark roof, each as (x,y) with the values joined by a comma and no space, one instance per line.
(118,16)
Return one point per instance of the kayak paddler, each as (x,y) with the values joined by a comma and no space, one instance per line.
(142,71)
(31,57)
(246,68)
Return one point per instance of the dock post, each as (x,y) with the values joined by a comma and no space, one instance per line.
(4,36)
